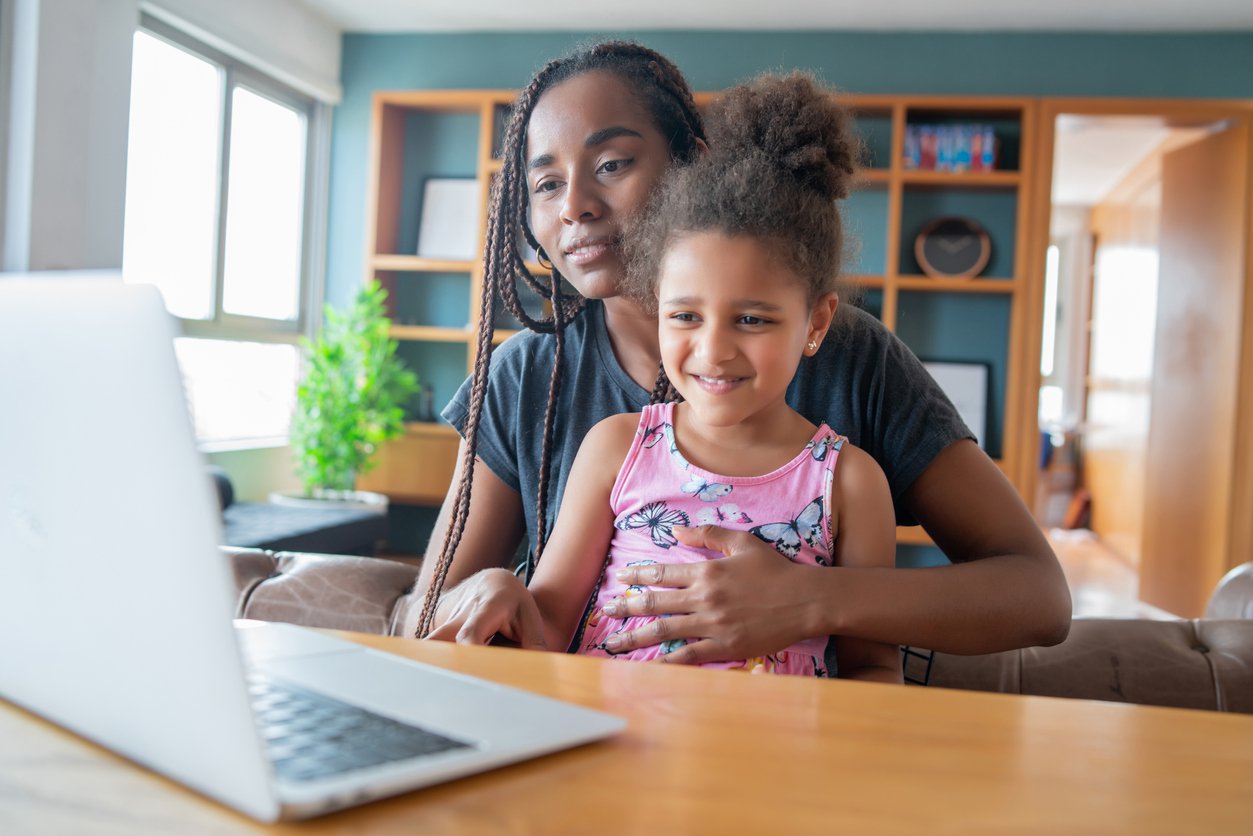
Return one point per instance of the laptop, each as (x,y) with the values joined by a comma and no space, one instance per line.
(116,604)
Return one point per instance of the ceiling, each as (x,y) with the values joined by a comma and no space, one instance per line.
(1093,155)
(808,15)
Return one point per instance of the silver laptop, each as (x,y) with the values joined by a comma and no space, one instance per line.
(115,604)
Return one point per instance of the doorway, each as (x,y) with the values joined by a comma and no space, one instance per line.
(1145,366)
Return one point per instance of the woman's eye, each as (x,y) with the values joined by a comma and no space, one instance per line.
(612,166)
(545,186)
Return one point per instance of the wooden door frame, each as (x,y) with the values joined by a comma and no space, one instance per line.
(1172,111)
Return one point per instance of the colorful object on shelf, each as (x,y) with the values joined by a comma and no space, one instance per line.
(953,148)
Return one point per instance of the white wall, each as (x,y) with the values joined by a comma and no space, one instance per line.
(283,38)
(68,66)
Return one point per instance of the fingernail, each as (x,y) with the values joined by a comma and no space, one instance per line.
(610,608)
(612,643)
(622,574)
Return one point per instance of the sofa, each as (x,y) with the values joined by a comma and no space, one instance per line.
(1204,663)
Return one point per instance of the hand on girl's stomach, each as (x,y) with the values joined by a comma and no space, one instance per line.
(737,607)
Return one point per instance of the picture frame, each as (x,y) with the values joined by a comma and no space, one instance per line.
(966,385)
(449,223)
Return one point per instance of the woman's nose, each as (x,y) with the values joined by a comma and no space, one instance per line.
(582,201)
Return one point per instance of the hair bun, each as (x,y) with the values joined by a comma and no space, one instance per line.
(794,124)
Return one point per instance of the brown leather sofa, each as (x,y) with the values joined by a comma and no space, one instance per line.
(1202,663)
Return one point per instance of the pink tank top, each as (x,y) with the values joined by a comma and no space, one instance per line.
(657,490)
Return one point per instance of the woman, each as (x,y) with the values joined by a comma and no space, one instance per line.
(592,135)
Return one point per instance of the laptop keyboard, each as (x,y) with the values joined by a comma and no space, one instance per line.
(311,736)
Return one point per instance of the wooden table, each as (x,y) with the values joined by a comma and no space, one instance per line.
(728,753)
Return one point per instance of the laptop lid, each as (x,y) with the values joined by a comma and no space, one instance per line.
(115,607)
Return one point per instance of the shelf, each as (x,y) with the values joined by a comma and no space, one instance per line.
(864,281)
(963,179)
(912,535)
(419,264)
(873,177)
(431,334)
(887,205)
(972,285)
(417,468)
(433,429)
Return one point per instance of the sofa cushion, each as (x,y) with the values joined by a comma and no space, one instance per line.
(1185,664)
(363,594)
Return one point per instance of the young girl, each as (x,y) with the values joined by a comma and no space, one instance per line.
(591,136)
(739,255)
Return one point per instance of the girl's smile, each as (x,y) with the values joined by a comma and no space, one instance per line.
(734,324)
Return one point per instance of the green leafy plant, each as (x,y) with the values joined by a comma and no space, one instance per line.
(352,396)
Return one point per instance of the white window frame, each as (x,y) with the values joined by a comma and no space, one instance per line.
(223,325)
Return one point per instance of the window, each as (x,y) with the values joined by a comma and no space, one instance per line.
(218,206)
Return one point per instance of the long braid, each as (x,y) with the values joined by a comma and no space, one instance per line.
(675,111)
(554,385)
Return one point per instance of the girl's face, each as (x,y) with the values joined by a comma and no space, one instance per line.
(593,156)
(734,323)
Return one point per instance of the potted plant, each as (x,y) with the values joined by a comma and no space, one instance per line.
(351,399)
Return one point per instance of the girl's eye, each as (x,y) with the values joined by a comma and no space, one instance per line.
(545,186)
(683,317)
(749,319)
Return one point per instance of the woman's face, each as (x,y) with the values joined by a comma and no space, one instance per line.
(593,156)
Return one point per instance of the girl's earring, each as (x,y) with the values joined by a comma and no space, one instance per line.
(813,346)
(542,258)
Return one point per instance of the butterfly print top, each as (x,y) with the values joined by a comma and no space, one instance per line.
(657,489)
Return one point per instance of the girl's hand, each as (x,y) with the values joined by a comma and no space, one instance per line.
(752,602)
(489,603)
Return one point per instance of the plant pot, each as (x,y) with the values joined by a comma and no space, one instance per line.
(361,500)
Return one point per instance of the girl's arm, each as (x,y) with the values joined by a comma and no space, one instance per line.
(575,554)
(863,529)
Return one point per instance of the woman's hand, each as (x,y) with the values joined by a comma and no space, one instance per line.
(752,602)
(490,603)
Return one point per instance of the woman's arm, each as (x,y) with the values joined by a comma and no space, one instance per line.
(863,534)
(575,555)
(1004,590)
(478,591)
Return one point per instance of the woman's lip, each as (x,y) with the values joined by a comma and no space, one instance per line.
(587,250)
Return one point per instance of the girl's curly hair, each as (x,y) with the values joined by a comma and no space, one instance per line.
(782,151)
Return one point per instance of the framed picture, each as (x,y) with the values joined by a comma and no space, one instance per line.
(966,385)
(450,218)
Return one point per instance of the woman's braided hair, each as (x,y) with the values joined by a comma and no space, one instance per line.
(665,93)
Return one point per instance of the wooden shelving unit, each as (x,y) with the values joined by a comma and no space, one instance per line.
(417,134)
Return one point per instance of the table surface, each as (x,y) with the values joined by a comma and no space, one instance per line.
(727,752)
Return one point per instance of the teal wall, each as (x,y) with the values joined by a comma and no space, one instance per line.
(1189,66)
(1156,66)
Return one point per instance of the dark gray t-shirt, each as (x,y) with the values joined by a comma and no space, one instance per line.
(864,382)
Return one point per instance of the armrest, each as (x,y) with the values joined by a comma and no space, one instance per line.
(1198,663)
(363,594)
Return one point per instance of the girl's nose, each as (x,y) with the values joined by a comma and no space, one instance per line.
(715,344)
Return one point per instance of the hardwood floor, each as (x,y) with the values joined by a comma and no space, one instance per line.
(1102,583)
